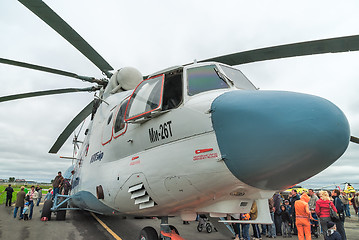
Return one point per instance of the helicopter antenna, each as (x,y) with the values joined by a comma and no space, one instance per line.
(75,142)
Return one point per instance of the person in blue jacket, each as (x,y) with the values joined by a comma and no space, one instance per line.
(340,208)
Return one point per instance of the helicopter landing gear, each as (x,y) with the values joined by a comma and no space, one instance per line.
(148,233)
(58,205)
(168,232)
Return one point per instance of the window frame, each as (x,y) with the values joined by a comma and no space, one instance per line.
(235,81)
(152,110)
(215,68)
(124,129)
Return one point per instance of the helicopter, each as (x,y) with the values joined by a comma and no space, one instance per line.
(346,187)
(193,138)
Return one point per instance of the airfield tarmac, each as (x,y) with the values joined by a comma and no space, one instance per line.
(83,226)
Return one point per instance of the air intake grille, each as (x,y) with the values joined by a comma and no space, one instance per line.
(141,197)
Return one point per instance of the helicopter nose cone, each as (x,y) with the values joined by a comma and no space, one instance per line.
(275,139)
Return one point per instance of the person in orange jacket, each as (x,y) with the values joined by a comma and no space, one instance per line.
(303,216)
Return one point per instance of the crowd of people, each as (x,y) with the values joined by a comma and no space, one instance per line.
(310,213)
(26,200)
(300,214)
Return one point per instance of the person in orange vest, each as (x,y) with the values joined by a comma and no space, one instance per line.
(303,216)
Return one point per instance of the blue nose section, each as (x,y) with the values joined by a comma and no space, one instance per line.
(275,139)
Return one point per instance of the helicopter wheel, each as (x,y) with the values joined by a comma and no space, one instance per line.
(208,228)
(148,233)
(61,215)
(173,228)
(199,227)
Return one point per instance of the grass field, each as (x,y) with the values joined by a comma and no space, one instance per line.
(16,190)
(2,194)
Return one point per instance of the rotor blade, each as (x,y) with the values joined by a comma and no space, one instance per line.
(47,69)
(46,92)
(354,139)
(71,127)
(331,45)
(66,31)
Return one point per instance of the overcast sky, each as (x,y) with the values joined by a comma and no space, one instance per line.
(153,35)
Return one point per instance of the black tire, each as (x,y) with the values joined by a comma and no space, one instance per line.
(46,209)
(61,215)
(148,233)
(199,227)
(174,228)
(208,228)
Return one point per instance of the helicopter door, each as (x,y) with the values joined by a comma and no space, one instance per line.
(146,100)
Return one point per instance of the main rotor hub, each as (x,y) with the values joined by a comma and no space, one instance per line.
(124,79)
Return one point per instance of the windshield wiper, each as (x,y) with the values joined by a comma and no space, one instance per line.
(223,77)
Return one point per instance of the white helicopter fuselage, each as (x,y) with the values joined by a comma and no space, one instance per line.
(171,163)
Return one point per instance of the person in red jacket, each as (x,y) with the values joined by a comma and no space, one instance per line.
(323,211)
(302,215)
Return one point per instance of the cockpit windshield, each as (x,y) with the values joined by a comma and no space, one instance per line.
(204,78)
(240,81)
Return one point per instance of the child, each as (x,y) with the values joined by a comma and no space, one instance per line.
(314,224)
(26,211)
(48,195)
(285,221)
(332,234)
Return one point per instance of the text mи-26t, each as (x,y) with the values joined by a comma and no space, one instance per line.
(164,131)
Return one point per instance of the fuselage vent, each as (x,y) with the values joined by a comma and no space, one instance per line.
(141,197)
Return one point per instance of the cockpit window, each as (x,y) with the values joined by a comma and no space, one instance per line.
(205,78)
(120,118)
(146,98)
(109,119)
(240,81)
